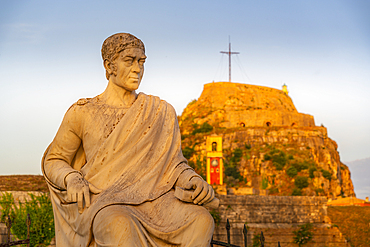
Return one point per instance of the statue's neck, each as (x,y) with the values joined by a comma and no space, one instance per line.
(117,96)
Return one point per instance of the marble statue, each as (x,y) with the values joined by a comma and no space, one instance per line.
(115,162)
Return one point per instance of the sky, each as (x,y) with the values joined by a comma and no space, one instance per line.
(50,58)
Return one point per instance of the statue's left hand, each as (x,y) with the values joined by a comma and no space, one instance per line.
(203,191)
(78,190)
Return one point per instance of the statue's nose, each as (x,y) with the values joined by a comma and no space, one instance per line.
(136,67)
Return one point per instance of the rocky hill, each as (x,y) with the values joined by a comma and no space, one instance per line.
(267,143)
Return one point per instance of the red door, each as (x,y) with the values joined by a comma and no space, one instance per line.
(215,170)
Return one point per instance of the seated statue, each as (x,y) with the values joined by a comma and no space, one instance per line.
(115,162)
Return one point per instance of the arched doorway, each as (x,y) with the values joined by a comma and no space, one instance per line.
(214,146)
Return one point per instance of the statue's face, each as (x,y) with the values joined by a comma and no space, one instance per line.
(129,68)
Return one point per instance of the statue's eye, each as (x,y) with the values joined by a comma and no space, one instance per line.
(141,62)
(128,60)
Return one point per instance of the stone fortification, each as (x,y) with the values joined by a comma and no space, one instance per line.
(277,217)
(236,104)
(266,140)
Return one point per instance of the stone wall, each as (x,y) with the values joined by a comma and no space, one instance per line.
(277,217)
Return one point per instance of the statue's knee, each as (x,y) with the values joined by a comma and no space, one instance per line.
(205,220)
(113,223)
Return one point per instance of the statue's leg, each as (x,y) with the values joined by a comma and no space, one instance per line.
(116,226)
(199,232)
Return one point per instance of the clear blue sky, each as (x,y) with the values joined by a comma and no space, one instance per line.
(50,57)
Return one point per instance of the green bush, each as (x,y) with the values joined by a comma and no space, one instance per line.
(297,192)
(6,203)
(326,174)
(216,216)
(236,156)
(273,190)
(278,158)
(301,182)
(278,166)
(265,183)
(188,152)
(267,157)
(232,171)
(191,164)
(291,171)
(303,235)
(200,166)
(41,214)
(301,165)
(304,165)
(311,171)
(256,240)
(320,192)
(204,128)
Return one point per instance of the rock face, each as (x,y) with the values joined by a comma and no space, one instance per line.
(267,144)
(236,104)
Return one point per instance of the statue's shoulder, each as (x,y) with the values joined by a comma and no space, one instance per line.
(79,111)
(83,101)
(79,106)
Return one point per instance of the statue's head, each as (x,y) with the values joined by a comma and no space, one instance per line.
(116,46)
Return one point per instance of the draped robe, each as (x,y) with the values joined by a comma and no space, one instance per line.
(132,154)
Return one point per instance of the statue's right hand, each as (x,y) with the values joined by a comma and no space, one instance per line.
(78,190)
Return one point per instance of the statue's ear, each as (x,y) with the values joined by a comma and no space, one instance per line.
(109,67)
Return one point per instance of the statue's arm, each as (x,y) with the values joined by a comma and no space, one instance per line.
(63,148)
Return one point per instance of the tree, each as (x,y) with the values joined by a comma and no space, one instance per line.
(39,208)
(301,182)
(291,171)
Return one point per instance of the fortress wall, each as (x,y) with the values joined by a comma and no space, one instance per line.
(310,136)
(237,104)
(255,210)
(277,217)
(221,94)
(253,118)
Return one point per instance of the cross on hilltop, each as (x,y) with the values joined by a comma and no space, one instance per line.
(229,53)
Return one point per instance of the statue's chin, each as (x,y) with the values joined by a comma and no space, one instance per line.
(131,86)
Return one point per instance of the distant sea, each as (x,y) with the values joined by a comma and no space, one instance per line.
(360,174)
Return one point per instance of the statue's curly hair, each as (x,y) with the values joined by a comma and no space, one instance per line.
(118,42)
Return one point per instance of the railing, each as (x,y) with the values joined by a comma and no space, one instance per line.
(18,242)
(245,234)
